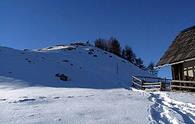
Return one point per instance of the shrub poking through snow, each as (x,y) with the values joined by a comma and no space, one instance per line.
(71,48)
(123,61)
(90,53)
(94,55)
(62,77)
(91,50)
(26,50)
(65,61)
(29,61)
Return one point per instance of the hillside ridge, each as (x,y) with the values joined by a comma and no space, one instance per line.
(84,65)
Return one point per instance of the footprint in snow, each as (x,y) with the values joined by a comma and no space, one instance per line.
(42,97)
(2,99)
(23,97)
(89,95)
(24,100)
(57,97)
(59,119)
(70,96)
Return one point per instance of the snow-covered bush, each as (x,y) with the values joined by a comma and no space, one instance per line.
(62,77)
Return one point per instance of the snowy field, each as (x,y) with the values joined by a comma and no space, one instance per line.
(73,106)
(94,106)
(97,90)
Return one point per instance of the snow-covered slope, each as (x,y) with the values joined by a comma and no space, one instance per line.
(94,94)
(86,67)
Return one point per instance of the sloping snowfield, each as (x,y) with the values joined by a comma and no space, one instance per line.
(97,91)
(44,105)
(85,66)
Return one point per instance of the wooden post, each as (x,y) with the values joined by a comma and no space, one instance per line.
(142,83)
(164,85)
(117,68)
(161,87)
(132,82)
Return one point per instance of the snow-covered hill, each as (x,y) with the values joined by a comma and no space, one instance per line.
(85,66)
(94,93)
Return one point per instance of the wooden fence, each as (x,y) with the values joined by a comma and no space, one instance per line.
(153,83)
(183,85)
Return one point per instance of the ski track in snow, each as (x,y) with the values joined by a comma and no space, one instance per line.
(168,111)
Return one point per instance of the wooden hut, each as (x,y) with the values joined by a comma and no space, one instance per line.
(181,57)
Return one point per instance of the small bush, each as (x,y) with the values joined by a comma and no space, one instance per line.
(65,61)
(90,53)
(123,61)
(26,50)
(49,47)
(62,77)
(29,61)
(91,50)
(94,55)
(71,48)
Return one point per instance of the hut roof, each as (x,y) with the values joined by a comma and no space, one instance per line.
(182,48)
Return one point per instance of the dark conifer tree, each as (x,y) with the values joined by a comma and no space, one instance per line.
(129,54)
(115,46)
(100,43)
(151,69)
(123,54)
(139,63)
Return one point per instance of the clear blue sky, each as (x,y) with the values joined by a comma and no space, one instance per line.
(148,26)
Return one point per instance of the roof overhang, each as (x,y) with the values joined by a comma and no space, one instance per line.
(174,63)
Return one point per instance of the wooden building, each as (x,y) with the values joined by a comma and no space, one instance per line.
(181,57)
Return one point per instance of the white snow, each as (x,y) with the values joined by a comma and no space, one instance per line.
(86,67)
(96,93)
(72,106)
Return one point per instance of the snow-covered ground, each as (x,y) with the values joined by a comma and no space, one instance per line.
(168,108)
(98,90)
(94,106)
(73,106)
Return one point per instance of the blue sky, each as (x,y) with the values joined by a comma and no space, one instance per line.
(148,26)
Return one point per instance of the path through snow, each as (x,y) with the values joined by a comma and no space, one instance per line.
(168,111)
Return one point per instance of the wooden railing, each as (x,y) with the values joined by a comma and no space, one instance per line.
(183,85)
(143,83)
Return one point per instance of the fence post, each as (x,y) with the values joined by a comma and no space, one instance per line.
(161,86)
(164,85)
(142,84)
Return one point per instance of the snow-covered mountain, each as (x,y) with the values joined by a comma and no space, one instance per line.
(86,67)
